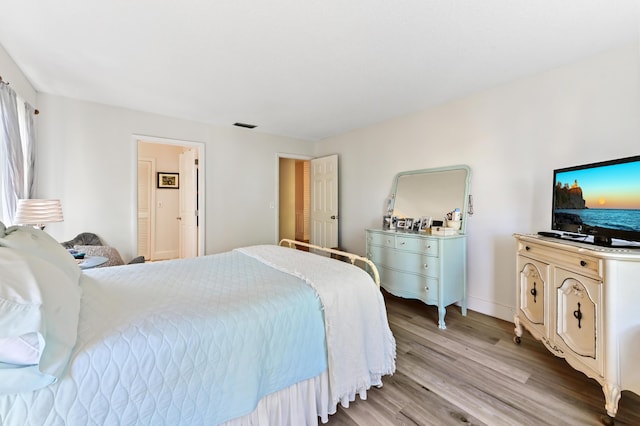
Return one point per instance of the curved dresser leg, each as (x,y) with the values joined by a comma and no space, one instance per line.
(441,313)
(517,330)
(611,396)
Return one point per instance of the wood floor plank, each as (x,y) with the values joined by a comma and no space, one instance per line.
(473,374)
(469,348)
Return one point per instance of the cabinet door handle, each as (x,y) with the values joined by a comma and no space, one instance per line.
(534,292)
(583,263)
(578,315)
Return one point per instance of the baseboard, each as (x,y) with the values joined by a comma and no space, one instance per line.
(165,255)
(491,308)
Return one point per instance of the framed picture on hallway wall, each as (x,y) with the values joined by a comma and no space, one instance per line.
(168,180)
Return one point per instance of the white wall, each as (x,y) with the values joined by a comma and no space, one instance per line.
(512,137)
(88,161)
(10,72)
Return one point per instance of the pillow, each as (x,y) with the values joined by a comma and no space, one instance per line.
(39,309)
(106,251)
(25,349)
(37,242)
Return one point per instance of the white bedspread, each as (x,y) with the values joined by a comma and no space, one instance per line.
(194,341)
(361,347)
(145,345)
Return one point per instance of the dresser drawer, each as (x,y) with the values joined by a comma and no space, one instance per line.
(415,263)
(421,245)
(409,285)
(384,240)
(577,262)
(404,261)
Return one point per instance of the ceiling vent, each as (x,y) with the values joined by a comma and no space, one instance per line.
(245,125)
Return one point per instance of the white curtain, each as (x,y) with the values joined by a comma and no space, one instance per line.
(29,146)
(10,153)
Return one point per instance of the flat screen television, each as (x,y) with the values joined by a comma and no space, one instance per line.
(599,201)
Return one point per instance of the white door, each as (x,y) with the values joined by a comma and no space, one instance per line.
(324,201)
(145,212)
(188,226)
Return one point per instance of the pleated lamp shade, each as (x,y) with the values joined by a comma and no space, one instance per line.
(38,212)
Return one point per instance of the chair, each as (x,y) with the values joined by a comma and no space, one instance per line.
(92,245)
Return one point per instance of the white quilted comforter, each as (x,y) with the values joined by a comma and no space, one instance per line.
(158,343)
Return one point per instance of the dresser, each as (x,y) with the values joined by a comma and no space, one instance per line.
(420,266)
(583,303)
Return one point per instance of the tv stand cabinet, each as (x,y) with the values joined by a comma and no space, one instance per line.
(582,302)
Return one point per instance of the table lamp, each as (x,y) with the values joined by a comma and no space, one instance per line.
(38,212)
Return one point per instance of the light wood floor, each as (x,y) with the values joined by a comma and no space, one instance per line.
(473,374)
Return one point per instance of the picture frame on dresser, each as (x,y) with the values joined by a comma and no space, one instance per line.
(386,222)
(418,265)
(408,223)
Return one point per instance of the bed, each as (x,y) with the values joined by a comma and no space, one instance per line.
(258,335)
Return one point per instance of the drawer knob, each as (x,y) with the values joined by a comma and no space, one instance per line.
(426,288)
(527,248)
(426,266)
(583,263)
(402,243)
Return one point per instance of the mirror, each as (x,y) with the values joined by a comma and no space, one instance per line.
(431,193)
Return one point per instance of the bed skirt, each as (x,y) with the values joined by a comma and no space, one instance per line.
(303,403)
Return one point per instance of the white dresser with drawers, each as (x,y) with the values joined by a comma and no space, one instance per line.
(417,265)
(582,301)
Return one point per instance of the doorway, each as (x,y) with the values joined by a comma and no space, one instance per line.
(170,217)
(321,187)
(294,199)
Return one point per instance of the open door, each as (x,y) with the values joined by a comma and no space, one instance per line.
(324,201)
(188,225)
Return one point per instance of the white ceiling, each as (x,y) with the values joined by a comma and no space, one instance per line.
(308,69)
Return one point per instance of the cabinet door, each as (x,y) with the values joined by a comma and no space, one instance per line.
(577,313)
(578,321)
(533,283)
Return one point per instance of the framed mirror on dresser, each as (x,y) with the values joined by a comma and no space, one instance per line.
(427,261)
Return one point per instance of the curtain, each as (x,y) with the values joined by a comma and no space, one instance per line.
(10,153)
(29,144)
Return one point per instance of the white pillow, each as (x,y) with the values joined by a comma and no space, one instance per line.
(22,350)
(39,309)
(37,242)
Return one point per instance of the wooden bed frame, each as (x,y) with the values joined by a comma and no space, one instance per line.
(353,258)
